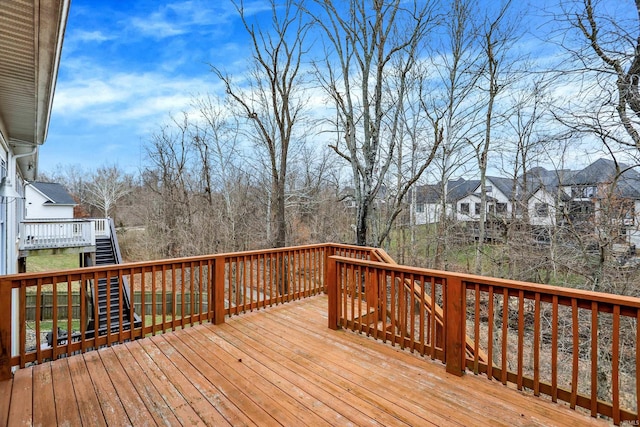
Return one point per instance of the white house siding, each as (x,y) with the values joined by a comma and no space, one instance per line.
(12,211)
(633,231)
(471,199)
(499,197)
(542,196)
(39,207)
(430,214)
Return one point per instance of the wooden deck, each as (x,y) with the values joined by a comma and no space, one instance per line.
(279,366)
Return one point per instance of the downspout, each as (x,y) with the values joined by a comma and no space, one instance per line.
(15,298)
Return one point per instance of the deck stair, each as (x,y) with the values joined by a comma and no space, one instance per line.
(112,290)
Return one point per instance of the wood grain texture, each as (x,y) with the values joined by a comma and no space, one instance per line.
(276,366)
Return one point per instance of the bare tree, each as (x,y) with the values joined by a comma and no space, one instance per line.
(452,114)
(370,46)
(107,185)
(498,36)
(273,100)
(605,54)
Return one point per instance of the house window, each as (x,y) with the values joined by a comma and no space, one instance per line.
(501,208)
(542,209)
(420,207)
(464,208)
(478,208)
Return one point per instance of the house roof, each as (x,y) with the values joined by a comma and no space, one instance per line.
(31,34)
(504,185)
(457,189)
(56,193)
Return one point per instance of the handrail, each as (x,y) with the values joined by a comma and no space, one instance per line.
(548,339)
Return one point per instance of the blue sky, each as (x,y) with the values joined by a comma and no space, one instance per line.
(126,66)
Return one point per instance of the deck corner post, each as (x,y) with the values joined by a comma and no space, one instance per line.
(455,325)
(5,329)
(331,285)
(218,290)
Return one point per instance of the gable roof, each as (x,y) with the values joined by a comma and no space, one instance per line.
(56,193)
(460,188)
(504,185)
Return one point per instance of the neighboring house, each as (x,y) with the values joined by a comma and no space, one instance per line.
(580,198)
(48,200)
(30,45)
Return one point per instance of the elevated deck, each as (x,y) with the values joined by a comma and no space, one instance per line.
(276,366)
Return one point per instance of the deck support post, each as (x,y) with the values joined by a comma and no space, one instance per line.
(455,325)
(218,291)
(331,286)
(5,329)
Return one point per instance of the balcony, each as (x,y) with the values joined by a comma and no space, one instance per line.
(321,334)
(61,234)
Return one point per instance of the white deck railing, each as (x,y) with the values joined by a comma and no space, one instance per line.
(61,233)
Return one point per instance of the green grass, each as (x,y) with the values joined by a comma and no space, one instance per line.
(47,325)
(40,263)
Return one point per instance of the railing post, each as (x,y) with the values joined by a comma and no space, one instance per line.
(218,291)
(455,325)
(329,251)
(331,286)
(5,329)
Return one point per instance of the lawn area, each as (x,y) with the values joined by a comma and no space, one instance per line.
(40,263)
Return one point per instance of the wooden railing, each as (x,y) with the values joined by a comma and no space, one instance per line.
(575,346)
(170,294)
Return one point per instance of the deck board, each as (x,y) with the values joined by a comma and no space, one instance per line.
(279,366)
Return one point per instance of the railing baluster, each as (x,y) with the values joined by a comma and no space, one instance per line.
(38,318)
(575,349)
(163,283)
(120,306)
(22,315)
(505,331)
(143,300)
(536,346)
(520,337)
(154,302)
(476,329)
(422,315)
(432,320)
(615,365)
(490,336)
(69,314)
(594,359)
(394,316)
(554,349)
(382,283)
(412,309)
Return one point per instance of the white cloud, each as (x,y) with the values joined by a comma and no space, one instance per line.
(91,36)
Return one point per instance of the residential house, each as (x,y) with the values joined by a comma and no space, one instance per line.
(48,200)
(31,35)
(599,192)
